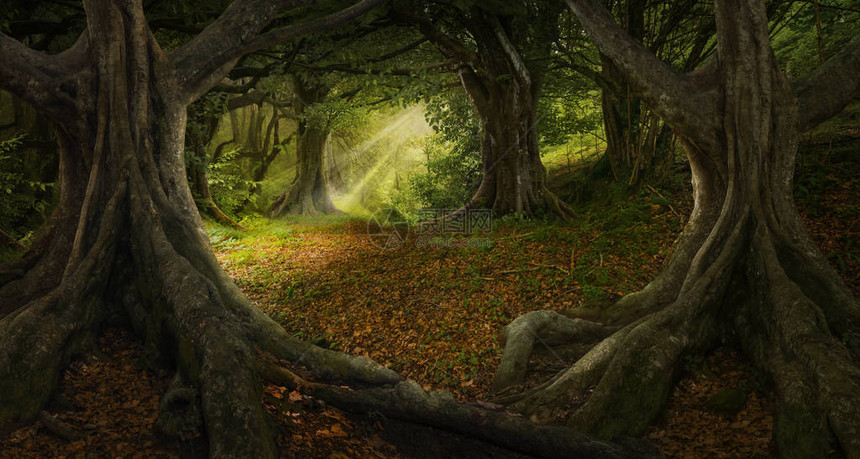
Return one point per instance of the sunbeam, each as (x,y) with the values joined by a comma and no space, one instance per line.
(392,151)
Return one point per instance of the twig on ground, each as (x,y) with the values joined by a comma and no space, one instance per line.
(667,201)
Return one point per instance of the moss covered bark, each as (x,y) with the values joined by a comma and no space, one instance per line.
(744,266)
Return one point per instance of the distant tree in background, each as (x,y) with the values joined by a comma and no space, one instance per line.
(501,51)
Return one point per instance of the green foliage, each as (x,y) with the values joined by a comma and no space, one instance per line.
(404,202)
(560,119)
(230,189)
(453,175)
(453,161)
(796,44)
(333,113)
(24,203)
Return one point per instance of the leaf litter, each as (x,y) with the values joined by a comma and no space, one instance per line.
(434,314)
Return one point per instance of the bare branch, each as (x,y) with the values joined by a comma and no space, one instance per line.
(398,52)
(830,88)
(204,61)
(569,61)
(253,97)
(672,96)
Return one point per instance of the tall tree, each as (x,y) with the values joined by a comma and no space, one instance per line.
(256,122)
(635,137)
(502,73)
(743,267)
(126,233)
(680,33)
(309,193)
(335,76)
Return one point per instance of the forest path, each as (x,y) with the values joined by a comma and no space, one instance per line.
(432,309)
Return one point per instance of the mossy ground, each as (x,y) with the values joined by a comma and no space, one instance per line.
(433,308)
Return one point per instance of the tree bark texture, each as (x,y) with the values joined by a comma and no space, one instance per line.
(126,240)
(505,89)
(126,237)
(309,193)
(743,267)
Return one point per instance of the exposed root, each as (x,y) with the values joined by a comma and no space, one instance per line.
(38,339)
(548,401)
(207,206)
(407,401)
(633,370)
(302,202)
(816,379)
(58,427)
(178,412)
(556,206)
(621,385)
(547,327)
(637,381)
(212,351)
(270,337)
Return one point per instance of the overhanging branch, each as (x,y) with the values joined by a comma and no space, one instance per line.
(830,88)
(204,61)
(444,66)
(447,45)
(289,32)
(671,95)
(43,81)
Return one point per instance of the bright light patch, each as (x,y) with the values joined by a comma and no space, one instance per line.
(393,152)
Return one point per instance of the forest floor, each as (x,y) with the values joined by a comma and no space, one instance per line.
(432,308)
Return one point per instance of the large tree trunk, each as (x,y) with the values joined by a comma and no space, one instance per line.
(504,82)
(743,267)
(126,239)
(505,93)
(130,239)
(638,143)
(514,179)
(308,194)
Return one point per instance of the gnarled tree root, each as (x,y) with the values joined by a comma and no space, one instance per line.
(547,327)
(407,401)
(622,384)
(187,311)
